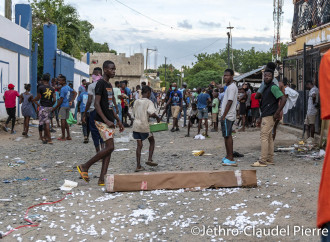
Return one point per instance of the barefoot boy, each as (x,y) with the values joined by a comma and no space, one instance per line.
(142,110)
(193,113)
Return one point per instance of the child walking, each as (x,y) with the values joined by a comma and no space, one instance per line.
(193,113)
(26,99)
(82,101)
(142,110)
(10,103)
(215,110)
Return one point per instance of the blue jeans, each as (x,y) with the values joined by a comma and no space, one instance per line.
(120,113)
(184,109)
(94,131)
(184,115)
(326,238)
(85,126)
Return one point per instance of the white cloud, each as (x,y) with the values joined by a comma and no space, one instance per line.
(201,22)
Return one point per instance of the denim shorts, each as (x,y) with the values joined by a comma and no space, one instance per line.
(94,131)
(227,127)
(203,113)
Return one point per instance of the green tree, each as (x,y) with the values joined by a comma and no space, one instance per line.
(73,34)
(206,69)
(203,78)
(172,75)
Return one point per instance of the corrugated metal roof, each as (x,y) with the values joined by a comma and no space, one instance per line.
(241,77)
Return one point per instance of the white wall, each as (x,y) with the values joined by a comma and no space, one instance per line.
(14,32)
(81,66)
(9,60)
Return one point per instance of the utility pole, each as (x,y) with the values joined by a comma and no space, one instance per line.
(147,57)
(8,9)
(228,46)
(231,41)
(165,72)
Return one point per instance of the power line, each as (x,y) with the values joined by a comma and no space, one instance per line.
(152,19)
(166,25)
(198,50)
(155,20)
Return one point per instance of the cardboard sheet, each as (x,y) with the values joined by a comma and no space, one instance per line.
(175,180)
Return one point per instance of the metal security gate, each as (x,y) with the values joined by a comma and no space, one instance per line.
(64,66)
(299,70)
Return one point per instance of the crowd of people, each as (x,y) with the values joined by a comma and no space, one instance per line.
(103,107)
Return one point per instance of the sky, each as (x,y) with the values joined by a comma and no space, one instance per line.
(179,29)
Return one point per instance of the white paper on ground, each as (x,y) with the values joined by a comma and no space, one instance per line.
(123,139)
(199,136)
(124,149)
(68,185)
(322,153)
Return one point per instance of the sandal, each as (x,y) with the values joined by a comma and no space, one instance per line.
(139,169)
(84,175)
(270,163)
(60,139)
(259,164)
(151,163)
(101,184)
(68,138)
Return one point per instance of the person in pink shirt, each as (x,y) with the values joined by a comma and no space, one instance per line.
(10,103)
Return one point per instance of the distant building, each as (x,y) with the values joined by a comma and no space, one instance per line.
(128,68)
(310,40)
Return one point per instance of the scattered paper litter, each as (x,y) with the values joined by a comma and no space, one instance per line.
(276,203)
(123,139)
(59,162)
(148,214)
(68,185)
(199,136)
(322,153)
(124,149)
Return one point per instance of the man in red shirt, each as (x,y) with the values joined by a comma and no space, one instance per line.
(255,109)
(323,212)
(10,103)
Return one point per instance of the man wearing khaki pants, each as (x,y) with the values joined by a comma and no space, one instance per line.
(270,112)
(176,105)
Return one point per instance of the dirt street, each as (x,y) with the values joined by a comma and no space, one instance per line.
(286,195)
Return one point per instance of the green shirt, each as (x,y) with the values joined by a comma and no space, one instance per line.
(276,92)
(215,109)
(117,92)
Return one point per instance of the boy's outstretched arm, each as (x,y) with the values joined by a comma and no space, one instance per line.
(154,115)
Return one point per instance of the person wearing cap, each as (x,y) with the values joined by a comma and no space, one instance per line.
(10,103)
(272,103)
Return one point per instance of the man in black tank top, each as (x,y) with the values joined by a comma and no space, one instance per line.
(270,112)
